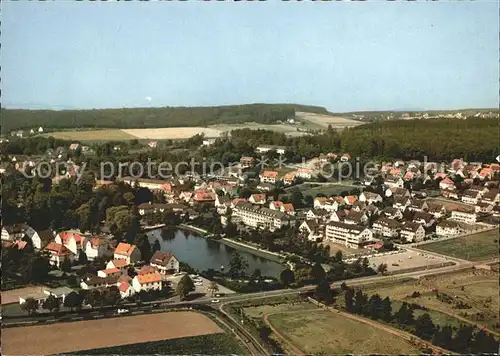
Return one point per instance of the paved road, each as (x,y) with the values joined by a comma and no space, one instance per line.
(165,305)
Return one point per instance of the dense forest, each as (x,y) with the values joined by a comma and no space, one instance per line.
(151,117)
(438,139)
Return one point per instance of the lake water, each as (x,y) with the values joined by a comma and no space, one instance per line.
(202,254)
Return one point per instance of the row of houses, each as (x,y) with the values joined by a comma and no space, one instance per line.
(148,278)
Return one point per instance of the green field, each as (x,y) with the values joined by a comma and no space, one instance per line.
(476,247)
(316,331)
(215,344)
(327,333)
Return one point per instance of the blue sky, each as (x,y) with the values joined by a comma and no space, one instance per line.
(343,56)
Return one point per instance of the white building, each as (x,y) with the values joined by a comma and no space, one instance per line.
(370,198)
(127,252)
(386,227)
(324,203)
(350,235)
(465,216)
(266,148)
(412,232)
(72,240)
(147,279)
(260,217)
(58,253)
(448,228)
(164,262)
(98,247)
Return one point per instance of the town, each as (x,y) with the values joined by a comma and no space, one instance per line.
(215,178)
(376,224)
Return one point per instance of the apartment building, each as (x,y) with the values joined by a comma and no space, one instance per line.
(353,236)
(412,232)
(464,215)
(448,228)
(386,227)
(260,217)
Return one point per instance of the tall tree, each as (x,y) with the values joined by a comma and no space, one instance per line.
(462,341)
(382,268)
(112,296)
(72,300)
(212,288)
(386,309)
(349,300)
(375,307)
(443,337)
(184,287)
(237,265)
(485,343)
(287,277)
(324,293)
(51,303)
(66,265)
(142,242)
(318,273)
(360,302)
(30,305)
(424,327)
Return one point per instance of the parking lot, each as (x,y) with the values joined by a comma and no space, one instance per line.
(200,287)
(405,260)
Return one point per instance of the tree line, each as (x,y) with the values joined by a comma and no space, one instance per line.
(465,339)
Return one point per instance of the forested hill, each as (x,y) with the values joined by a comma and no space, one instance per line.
(152,117)
(474,138)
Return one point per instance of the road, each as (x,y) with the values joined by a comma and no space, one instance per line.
(165,305)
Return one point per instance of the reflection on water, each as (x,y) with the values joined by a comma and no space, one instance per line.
(202,254)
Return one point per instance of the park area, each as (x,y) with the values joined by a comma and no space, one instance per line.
(475,247)
(317,331)
(470,296)
(104,333)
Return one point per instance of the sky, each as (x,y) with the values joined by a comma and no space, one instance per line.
(339,55)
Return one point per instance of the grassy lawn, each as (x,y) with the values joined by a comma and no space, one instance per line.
(476,247)
(324,332)
(215,344)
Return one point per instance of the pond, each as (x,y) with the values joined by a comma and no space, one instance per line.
(202,254)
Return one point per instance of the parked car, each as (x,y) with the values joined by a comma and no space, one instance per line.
(123,311)
(215,300)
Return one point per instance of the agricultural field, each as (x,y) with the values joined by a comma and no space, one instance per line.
(317,331)
(475,247)
(92,135)
(470,296)
(96,334)
(214,344)
(172,133)
(322,121)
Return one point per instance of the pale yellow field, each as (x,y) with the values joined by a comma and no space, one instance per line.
(325,120)
(92,135)
(93,334)
(172,132)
